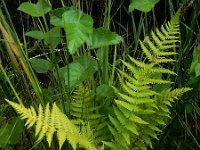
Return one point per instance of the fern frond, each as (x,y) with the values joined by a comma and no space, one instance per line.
(86,109)
(49,121)
(136,100)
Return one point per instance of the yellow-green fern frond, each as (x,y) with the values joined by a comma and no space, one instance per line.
(166,98)
(157,46)
(132,124)
(51,120)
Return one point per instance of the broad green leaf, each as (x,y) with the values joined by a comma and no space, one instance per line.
(78,27)
(86,61)
(102,37)
(142,5)
(60,75)
(56,16)
(36,10)
(35,34)
(40,65)
(87,73)
(11,133)
(52,37)
(77,74)
(105,91)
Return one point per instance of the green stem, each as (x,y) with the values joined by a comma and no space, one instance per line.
(146,24)
(62,90)
(45,23)
(135,35)
(113,66)
(106,51)
(9,82)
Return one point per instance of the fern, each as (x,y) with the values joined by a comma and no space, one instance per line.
(49,121)
(140,111)
(85,108)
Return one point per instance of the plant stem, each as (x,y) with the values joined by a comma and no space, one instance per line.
(113,66)
(106,50)
(9,82)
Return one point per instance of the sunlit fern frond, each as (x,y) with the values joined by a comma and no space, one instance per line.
(166,98)
(50,120)
(86,109)
(157,47)
(136,120)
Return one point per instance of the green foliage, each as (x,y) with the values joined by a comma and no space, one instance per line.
(144,5)
(139,110)
(82,68)
(105,91)
(11,133)
(35,34)
(86,62)
(40,65)
(51,38)
(56,16)
(102,37)
(78,27)
(86,109)
(49,120)
(127,112)
(77,74)
(36,10)
(195,68)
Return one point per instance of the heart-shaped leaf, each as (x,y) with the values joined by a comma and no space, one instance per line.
(142,5)
(78,27)
(36,10)
(52,37)
(77,74)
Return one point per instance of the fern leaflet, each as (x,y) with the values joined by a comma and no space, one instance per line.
(49,121)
